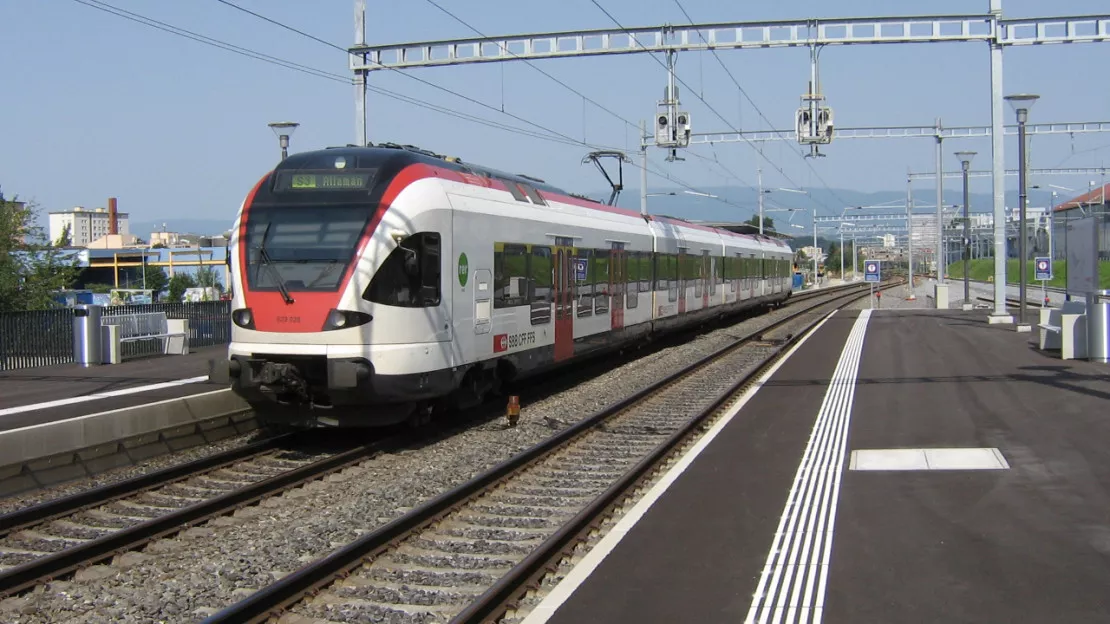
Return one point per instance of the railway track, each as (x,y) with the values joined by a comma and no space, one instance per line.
(58,537)
(468,554)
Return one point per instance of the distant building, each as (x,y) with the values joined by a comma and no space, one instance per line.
(1096,203)
(86,226)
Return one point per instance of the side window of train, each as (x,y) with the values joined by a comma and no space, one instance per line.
(632,277)
(510,275)
(410,275)
(583,287)
(541,285)
(599,276)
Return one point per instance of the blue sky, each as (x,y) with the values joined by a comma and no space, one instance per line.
(98,106)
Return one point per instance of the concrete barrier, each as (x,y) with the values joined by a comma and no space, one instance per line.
(55,452)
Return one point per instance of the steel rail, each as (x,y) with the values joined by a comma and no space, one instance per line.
(25,576)
(69,505)
(539,561)
(292,588)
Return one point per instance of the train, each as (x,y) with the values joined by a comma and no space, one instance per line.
(383,283)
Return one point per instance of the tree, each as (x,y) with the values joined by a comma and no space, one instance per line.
(31,270)
(65,239)
(178,285)
(768,223)
(207,278)
(156,280)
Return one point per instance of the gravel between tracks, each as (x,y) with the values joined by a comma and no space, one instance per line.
(200,571)
(18,501)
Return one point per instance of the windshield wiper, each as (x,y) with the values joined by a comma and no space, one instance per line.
(268,263)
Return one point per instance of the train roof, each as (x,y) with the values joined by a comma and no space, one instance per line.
(397,156)
(374,156)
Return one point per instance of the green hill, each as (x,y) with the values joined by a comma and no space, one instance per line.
(982,269)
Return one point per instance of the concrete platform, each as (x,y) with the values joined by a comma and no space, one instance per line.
(62,422)
(36,395)
(979,491)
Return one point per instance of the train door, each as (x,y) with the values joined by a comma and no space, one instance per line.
(564,301)
(617,260)
(682,280)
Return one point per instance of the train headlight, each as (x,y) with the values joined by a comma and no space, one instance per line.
(243,318)
(344,319)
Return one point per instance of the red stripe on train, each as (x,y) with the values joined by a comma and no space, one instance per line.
(309,310)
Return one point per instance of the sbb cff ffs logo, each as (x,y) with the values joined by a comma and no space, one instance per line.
(504,342)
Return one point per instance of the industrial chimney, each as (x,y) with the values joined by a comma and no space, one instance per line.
(113,227)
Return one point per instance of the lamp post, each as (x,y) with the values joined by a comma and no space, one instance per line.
(965,162)
(1021,104)
(283,130)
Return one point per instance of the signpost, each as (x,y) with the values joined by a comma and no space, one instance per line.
(1043,270)
(871,274)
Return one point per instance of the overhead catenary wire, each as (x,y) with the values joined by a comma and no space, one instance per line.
(743,92)
(552,135)
(586,98)
(565,138)
(254,54)
(761,154)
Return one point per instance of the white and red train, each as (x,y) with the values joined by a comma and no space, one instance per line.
(374,283)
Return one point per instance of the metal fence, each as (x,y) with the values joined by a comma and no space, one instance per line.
(45,337)
(209,321)
(36,338)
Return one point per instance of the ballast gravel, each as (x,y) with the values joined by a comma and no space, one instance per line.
(203,569)
(18,501)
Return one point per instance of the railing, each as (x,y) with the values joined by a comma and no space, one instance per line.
(45,337)
(209,321)
(36,338)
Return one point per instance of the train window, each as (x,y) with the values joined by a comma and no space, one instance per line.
(600,277)
(632,278)
(510,275)
(645,271)
(533,194)
(410,275)
(583,287)
(541,285)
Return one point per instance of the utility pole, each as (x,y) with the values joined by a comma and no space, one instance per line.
(360,76)
(940,207)
(643,169)
(1021,103)
(759,178)
(965,163)
(842,254)
(909,239)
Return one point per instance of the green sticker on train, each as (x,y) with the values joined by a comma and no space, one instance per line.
(464,270)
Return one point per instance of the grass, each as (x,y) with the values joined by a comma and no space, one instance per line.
(983,269)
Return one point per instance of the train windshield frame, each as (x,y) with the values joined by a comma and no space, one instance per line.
(308,246)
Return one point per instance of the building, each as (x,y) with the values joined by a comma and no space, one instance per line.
(1093,203)
(86,226)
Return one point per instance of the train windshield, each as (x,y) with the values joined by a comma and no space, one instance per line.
(305,248)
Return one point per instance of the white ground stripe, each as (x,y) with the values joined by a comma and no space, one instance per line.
(102,395)
(789,586)
(580,572)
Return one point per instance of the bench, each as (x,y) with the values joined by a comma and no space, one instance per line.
(132,327)
(1064,329)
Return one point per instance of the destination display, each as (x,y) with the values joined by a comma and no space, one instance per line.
(338,181)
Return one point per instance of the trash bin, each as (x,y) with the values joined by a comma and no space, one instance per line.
(86,334)
(1098,329)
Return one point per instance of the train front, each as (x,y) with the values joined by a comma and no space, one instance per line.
(337,313)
